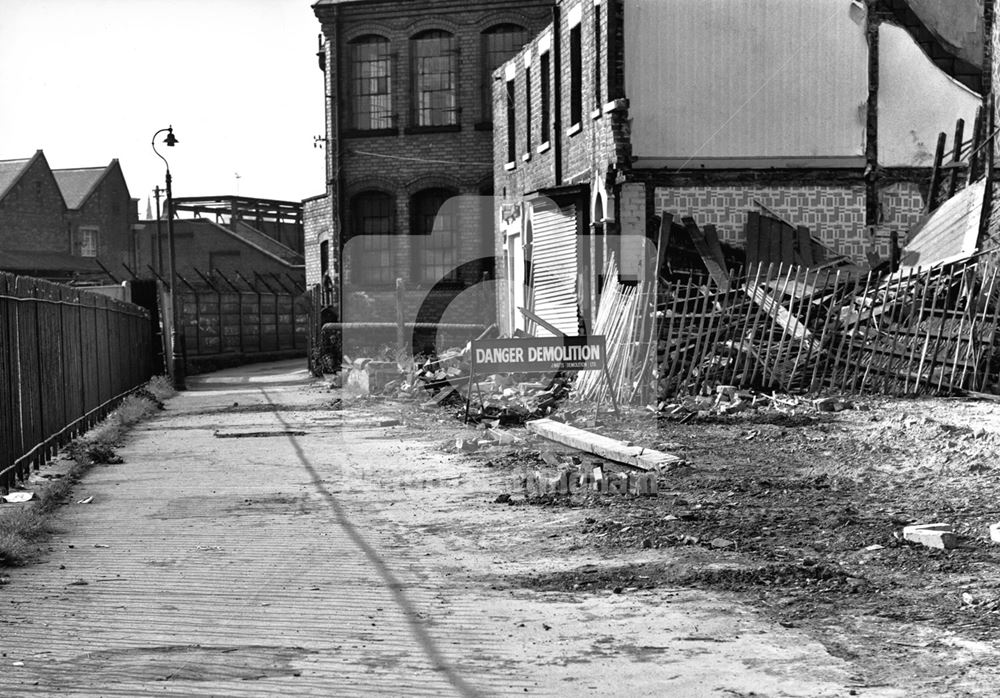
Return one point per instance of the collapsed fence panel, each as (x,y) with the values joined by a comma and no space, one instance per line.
(792,328)
(66,359)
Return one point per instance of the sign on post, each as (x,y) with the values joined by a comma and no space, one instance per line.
(538,354)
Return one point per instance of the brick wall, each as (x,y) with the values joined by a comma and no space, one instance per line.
(33,214)
(834,214)
(195,241)
(110,209)
(317,223)
(589,149)
(405,160)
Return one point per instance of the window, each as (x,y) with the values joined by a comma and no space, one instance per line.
(438,241)
(527,110)
(575,77)
(88,239)
(324,257)
(544,79)
(371,83)
(500,44)
(597,57)
(371,230)
(434,67)
(511,124)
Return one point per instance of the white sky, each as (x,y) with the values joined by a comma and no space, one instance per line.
(91,80)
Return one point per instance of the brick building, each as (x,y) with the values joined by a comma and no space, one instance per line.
(409,128)
(822,113)
(64,224)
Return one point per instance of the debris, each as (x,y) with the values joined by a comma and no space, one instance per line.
(936,535)
(722,543)
(18,497)
(995,532)
(647,459)
(466,445)
(88,500)
(101,545)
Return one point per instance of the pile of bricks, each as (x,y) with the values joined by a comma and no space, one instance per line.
(591,479)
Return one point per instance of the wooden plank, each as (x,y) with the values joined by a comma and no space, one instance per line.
(788,239)
(599,445)
(8,388)
(714,246)
(775,230)
(803,246)
(716,266)
(823,359)
(752,236)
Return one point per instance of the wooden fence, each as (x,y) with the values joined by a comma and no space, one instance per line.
(793,328)
(66,358)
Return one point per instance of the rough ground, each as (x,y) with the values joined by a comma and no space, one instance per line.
(265,536)
(798,514)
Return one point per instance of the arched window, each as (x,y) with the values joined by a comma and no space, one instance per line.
(371,83)
(434,68)
(438,240)
(372,251)
(499,44)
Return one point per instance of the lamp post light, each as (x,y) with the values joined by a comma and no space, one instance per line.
(176,335)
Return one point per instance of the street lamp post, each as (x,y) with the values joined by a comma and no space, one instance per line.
(176,335)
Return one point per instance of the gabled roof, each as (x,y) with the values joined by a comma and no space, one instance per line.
(77,184)
(11,171)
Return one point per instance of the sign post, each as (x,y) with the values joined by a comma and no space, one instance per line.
(538,355)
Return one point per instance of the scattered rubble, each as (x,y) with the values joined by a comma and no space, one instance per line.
(936,535)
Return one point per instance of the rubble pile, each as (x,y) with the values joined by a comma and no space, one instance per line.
(496,400)
(729,400)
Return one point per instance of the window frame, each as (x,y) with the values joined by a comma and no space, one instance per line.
(511,103)
(545,85)
(87,235)
(382,123)
(575,75)
(419,81)
(423,228)
(488,66)
(372,242)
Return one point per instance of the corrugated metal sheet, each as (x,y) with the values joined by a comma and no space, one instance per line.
(769,78)
(949,233)
(553,267)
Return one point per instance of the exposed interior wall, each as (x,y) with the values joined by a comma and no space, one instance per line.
(916,101)
(739,79)
(834,215)
(958,24)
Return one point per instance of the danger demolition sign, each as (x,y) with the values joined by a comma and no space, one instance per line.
(538,354)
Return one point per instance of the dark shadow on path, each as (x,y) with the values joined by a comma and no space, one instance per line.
(419,632)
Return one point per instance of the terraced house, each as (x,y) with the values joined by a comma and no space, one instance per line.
(409,119)
(65,224)
(821,114)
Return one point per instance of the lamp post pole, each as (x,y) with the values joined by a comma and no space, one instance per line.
(177,368)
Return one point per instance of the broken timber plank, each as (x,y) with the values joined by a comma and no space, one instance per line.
(716,267)
(606,447)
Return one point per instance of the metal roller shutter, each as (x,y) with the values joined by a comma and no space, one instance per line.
(553,267)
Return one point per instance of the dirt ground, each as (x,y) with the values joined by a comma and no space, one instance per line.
(798,513)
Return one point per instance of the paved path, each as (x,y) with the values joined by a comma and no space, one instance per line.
(344,558)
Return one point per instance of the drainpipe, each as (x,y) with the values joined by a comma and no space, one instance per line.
(557,95)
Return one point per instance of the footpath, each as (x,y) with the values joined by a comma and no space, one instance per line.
(258,541)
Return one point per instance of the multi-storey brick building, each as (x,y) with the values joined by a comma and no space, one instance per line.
(823,113)
(408,128)
(64,224)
